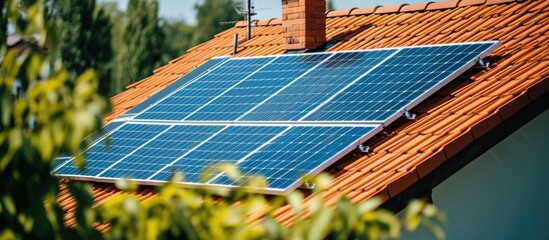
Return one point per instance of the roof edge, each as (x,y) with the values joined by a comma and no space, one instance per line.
(380,9)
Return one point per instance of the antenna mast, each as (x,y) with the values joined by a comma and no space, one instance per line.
(249,20)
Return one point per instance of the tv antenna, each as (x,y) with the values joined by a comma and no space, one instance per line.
(246,10)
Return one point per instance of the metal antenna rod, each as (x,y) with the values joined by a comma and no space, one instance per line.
(235,44)
(249,19)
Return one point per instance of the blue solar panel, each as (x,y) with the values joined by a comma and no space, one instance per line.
(257,87)
(165,149)
(280,117)
(203,90)
(228,146)
(400,80)
(300,150)
(120,144)
(316,86)
(369,86)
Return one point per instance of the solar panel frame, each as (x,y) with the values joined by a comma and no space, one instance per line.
(389,120)
(287,127)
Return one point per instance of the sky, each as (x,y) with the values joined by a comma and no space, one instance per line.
(266,9)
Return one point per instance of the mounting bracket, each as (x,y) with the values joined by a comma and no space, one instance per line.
(308,185)
(409,115)
(363,148)
(483,64)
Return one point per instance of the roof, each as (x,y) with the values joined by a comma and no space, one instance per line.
(467,109)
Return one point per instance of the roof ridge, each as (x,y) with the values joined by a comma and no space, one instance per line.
(380,9)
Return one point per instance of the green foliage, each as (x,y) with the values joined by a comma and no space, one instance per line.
(178,38)
(85,38)
(54,115)
(330,5)
(3,27)
(238,214)
(125,47)
(140,44)
(209,16)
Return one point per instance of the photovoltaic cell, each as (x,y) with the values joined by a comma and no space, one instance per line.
(407,75)
(229,146)
(165,149)
(257,87)
(119,145)
(203,90)
(316,86)
(297,152)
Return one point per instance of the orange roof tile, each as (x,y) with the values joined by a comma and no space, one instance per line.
(465,110)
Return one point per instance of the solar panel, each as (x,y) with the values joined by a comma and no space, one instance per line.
(282,153)
(257,87)
(401,79)
(156,155)
(107,151)
(316,86)
(299,151)
(278,116)
(198,71)
(204,89)
(228,146)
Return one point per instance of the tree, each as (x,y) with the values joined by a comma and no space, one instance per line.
(140,43)
(209,16)
(3,27)
(80,47)
(103,60)
(178,35)
(59,113)
(330,5)
(53,117)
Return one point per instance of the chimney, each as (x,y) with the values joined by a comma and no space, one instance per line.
(304,24)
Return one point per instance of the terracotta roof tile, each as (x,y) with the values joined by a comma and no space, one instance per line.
(490,2)
(442,5)
(415,7)
(364,11)
(465,3)
(339,13)
(389,9)
(463,111)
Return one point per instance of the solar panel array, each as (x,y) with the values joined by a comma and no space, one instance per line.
(277,116)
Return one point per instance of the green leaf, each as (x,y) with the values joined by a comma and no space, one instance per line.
(320,224)
(25,221)
(126,185)
(295,199)
(9,205)
(412,215)
(15,140)
(369,205)
(7,108)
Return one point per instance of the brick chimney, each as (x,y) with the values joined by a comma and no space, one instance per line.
(304,24)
